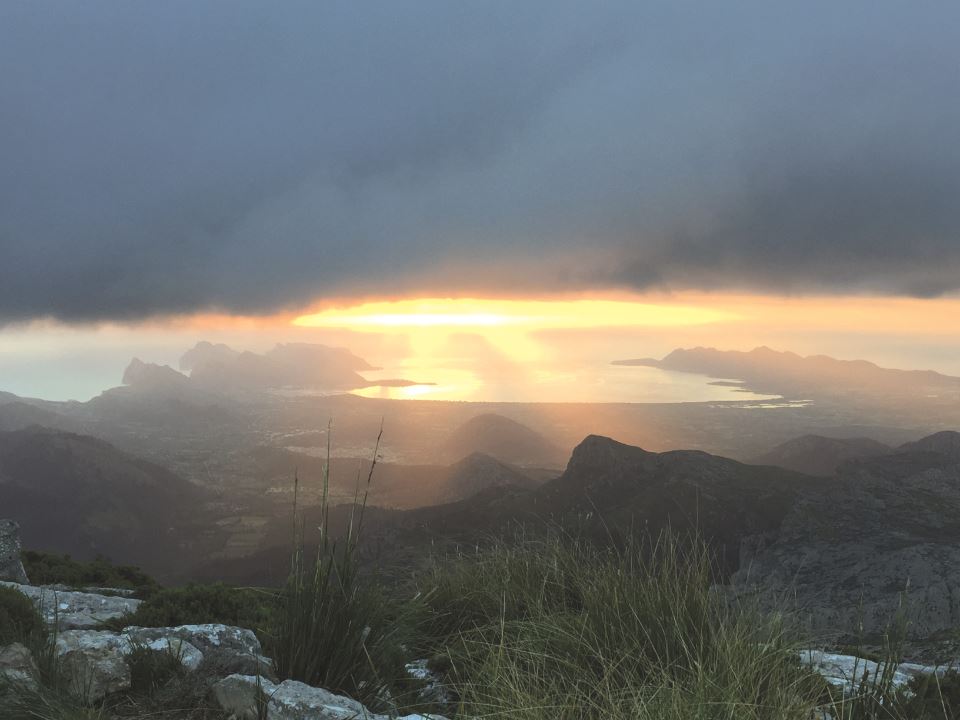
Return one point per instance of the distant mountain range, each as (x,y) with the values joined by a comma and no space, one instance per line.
(298,365)
(785,373)
(208,368)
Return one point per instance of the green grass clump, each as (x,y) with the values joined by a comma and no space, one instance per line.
(151,669)
(201,604)
(933,698)
(51,569)
(560,629)
(19,619)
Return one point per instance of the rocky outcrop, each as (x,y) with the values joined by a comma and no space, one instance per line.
(880,541)
(244,695)
(71,610)
(232,649)
(94,662)
(10,566)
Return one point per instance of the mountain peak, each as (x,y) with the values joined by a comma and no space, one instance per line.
(152,376)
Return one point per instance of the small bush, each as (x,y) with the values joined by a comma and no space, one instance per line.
(932,698)
(199,604)
(50,569)
(27,703)
(152,669)
(19,619)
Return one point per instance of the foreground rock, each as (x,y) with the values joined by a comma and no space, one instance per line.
(848,671)
(10,566)
(232,649)
(70,610)
(17,666)
(96,663)
(243,695)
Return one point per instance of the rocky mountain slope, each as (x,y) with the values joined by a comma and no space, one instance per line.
(845,548)
(885,529)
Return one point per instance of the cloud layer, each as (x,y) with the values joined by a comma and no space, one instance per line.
(174,157)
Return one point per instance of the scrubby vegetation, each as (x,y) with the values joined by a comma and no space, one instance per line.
(50,569)
(562,629)
(19,619)
(196,604)
(548,628)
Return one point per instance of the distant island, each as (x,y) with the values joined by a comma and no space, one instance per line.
(209,368)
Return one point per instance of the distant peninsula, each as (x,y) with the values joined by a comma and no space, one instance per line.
(768,371)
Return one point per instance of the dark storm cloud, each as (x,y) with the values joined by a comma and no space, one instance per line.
(181,156)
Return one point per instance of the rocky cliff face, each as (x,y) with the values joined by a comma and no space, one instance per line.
(883,537)
(11,568)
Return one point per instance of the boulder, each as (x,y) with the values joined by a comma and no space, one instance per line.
(94,662)
(290,700)
(847,671)
(17,666)
(232,650)
(433,692)
(10,566)
(188,655)
(70,610)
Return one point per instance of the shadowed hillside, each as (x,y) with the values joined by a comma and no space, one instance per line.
(79,495)
(818,455)
(504,439)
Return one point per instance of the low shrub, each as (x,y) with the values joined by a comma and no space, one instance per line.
(933,698)
(200,604)
(51,569)
(19,619)
(152,669)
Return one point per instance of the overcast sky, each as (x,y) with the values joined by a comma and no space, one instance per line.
(172,157)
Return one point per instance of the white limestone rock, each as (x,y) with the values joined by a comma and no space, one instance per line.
(291,700)
(847,671)
(237,650)
(17,666)
(70,610)
(94,662)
